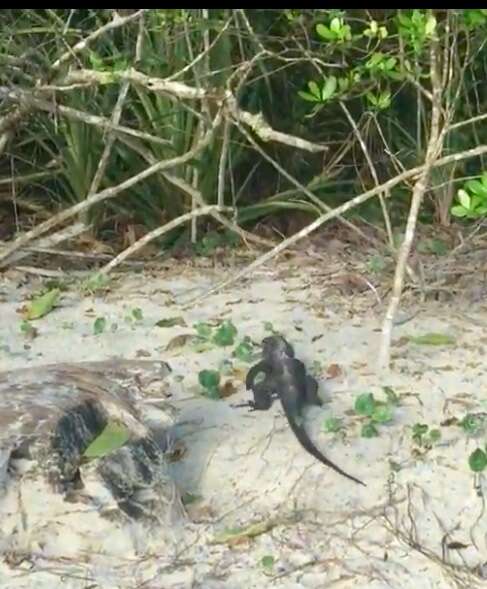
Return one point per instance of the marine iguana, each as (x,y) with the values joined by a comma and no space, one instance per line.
(286,379)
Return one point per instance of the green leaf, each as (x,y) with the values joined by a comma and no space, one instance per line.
(137,314)
(477,460)
(203,330)
(435,435)
(333,425)
(372,99)
(314,89)
(390,63)
(42,305)
(475,186)
(307,96)
(244,351)
(472,424)
(209,379)
(99,325)
(172,322)
(336,24)
(369,431)
(114,436)
(419,429)
(464,198)
(269,327)
(225,334)
(382,413)
(365,404)
(329,88)
(459,211)
(268,562)
(325,32)
(433,339)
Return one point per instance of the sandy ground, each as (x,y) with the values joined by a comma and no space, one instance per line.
(420,521)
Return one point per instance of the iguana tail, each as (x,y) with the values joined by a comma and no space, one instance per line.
(308,445)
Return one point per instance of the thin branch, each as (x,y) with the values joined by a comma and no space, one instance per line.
(197,197)
(148,237)
(373,171)
(354,202)
(222,166)
(52,240)
(435,145)
(182,91)
(115,23)
(316,201)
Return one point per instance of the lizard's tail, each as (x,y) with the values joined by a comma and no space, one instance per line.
(308,445)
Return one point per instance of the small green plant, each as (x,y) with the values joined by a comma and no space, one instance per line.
(333,425)
(225,334)
(477,460)
(377,412)
(472,199)
(267,563)
(424,437)
(137,314)
(337,31)
(320,94)
(210,382)
(369,431)
(99,325)
(245,351)
(473,423)
(96,284)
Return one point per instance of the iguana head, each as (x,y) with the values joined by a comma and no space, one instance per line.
(275,346)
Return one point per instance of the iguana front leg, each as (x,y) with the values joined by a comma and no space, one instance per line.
(259,368)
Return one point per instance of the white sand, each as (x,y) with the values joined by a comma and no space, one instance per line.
(249,467)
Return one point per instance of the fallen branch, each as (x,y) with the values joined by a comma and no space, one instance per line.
(179,90)
(51,241)
(148,237)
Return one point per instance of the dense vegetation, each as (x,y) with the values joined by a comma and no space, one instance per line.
(91,98)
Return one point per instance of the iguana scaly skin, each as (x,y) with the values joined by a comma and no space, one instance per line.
(286,379)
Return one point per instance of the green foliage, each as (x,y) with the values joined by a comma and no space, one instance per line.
(472,199)
(478,460)
(42,304)
(99,325)
(473,424)
(210,382)
(423,436)
(376,412)
(373,62)
(333,425)
(113,436)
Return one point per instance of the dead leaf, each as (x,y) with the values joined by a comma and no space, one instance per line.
(142,354)
(227,389)
(334,371)
(180,341)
